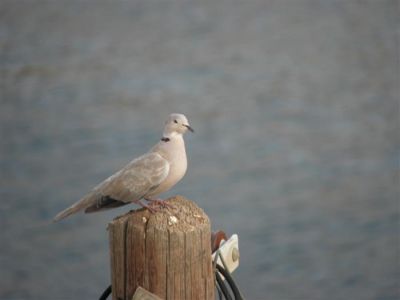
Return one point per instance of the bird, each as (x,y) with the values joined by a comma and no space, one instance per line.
(145,177)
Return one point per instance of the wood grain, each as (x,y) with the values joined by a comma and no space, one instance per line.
(167,253)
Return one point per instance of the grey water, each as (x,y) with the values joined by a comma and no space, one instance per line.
(296,112)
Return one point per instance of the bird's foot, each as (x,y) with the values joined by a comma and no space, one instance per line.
(149,207)
(159,203)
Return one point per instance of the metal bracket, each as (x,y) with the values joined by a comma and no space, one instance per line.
(229,250)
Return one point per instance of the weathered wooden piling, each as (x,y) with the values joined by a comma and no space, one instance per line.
(167,253)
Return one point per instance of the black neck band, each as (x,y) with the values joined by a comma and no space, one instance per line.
(165,139)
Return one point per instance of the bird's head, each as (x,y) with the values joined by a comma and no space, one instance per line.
(176,124)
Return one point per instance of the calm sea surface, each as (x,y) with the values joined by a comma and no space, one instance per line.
(295,106)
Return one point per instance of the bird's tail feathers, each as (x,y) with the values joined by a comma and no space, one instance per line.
(80,205)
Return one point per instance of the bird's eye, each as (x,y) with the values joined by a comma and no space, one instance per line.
(175,121)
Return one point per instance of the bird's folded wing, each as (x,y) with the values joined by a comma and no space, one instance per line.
(129,184)
(136,179)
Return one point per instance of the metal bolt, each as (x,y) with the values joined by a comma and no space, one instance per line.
(235,254)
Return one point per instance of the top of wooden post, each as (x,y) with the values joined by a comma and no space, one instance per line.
(184,216)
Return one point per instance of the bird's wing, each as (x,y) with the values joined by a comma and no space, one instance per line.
(131,183)
(104,203)
(136,179)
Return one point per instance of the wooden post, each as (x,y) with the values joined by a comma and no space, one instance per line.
(167,253)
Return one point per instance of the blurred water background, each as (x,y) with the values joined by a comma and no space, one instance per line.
(295,106)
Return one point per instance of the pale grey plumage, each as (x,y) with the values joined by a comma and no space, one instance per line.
(148,175)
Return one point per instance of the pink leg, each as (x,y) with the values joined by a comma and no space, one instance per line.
(151,209)
(158,202)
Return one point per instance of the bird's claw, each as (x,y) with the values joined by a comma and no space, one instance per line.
(149,207)
(160,203)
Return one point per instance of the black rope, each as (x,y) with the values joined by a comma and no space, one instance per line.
(231,282)
(218,290)
(106,293)
(221,285)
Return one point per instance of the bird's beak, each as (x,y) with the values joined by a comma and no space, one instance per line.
(189,128)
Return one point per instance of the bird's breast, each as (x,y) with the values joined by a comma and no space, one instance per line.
(177,159)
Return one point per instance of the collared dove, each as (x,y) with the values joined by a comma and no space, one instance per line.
(144,177)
